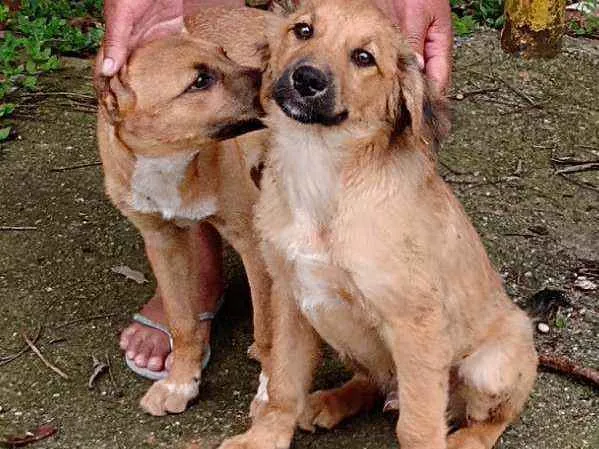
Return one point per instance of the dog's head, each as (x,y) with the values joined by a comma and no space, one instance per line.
(341,63)
(177,93)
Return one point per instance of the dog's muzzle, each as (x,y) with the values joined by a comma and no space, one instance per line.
(307,94)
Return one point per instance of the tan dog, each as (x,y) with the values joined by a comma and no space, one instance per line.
(160,132)
(369,249)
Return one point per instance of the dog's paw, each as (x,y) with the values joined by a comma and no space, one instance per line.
(256,440)
(165,396)
(322,410)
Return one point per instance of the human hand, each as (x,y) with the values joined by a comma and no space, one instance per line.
(130,22)
(427,26)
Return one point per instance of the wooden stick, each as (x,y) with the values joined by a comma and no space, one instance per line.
(76,166)
(18,228)
(576,168)
(58,94)
(42,358)
(568,367)
(9,358)
(87,318)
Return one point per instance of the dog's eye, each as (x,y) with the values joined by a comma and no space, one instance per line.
(362,58)
(203,81)
(303,31)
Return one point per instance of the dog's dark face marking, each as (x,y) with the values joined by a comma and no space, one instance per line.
(178,92)
(330,66)
(307,94)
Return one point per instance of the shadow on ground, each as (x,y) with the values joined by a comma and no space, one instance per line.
(542,229)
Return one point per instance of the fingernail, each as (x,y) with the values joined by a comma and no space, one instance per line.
(108,67)
(420,60)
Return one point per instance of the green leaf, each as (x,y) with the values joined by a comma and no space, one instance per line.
(6,109)
(30,66)
(30,82)
(4,133)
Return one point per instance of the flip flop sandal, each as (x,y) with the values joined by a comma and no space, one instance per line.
(158,375)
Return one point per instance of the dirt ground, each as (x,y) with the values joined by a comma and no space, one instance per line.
(511,119)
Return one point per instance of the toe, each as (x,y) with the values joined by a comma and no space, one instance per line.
(126,337)
(168,363)
(143,354)
(133,347)
(157,359)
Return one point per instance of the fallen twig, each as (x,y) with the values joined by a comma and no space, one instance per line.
(59,94)
(76,166)
(88,318)
(18,228)
(579,167)
(583,184)
(454,171)
(518,92)
(570,368)
(115,385)
(9,358)
(469,93)
(42,358)
(99,368)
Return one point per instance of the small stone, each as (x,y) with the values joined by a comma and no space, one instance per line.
(543,328)
(459,96)
(583,283)
(528,274)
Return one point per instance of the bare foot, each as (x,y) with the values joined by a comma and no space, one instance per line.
(149,348)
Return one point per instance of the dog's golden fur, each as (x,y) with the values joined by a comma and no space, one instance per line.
(166,169)
(370,251)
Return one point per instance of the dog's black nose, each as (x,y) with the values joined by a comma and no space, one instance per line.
(309,81)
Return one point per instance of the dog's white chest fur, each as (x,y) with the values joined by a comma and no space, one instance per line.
(310,177)
(155,188)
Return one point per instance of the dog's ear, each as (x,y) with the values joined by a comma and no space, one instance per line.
(418,106)
(115,97)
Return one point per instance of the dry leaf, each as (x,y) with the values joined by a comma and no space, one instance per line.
(129,273)
(38,434)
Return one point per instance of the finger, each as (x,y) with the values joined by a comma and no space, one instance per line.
(119,23)
(437,53)
(414,23)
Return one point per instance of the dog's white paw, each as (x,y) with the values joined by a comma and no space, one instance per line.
(165,397)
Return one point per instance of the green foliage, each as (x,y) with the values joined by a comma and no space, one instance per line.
(463,26)
(482,12)
(561,321)
(35,35)
(588,27)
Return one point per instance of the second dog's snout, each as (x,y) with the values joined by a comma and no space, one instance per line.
(309,81)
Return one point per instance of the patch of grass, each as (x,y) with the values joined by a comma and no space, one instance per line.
(463,26)
(33,37)
(467,14)
(585,26)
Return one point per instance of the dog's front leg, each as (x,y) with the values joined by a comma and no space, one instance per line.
(260,285)
(421,360)
(295,354)
(172,258)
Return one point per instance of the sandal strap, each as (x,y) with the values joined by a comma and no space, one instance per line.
(207,316)
(141,319)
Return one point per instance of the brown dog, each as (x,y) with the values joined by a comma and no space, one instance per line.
(369,249)
(161,127)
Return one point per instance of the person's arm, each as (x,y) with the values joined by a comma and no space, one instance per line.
(128,22)
(427,26)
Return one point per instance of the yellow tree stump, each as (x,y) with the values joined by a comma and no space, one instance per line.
(533,28)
